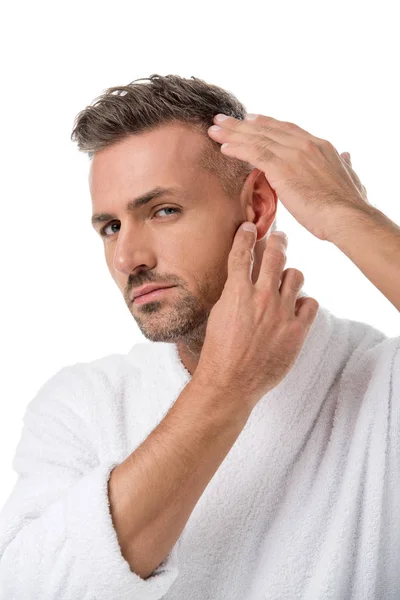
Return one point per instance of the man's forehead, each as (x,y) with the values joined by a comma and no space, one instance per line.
(159,148)
(170,141)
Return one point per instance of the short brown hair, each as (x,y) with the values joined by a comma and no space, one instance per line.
(137,107)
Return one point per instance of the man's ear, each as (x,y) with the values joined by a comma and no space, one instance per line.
(260,201)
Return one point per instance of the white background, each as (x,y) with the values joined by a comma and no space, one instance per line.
(330,67)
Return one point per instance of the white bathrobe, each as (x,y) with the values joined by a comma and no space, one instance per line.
(306,504)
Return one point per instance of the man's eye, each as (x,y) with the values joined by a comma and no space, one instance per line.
(103,230)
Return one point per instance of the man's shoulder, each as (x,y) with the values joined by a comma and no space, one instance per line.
(75,383)
(371,355)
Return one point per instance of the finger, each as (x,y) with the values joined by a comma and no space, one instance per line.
(306,310)
(273,263)
(241,259)
(223,135)
(292,282)
(246,124)
(279,130)
(261,141)
(346,157)
(272,140)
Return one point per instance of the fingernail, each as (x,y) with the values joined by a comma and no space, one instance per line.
(248,226)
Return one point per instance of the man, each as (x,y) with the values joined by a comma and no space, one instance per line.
(252,450)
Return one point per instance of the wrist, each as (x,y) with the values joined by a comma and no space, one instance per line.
(221,403)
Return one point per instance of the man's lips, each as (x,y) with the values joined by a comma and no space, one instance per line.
(147,289)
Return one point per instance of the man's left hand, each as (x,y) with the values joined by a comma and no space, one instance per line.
(313,181)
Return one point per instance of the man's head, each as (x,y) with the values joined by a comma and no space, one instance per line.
(147,135)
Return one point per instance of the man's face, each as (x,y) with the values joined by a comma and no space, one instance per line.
(187,248)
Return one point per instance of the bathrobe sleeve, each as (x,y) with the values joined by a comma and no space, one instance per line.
(395,379)
(57,540)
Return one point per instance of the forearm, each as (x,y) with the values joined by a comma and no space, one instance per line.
(154,491)
(372,241)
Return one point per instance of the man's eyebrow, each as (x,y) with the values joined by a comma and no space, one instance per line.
(137,202)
